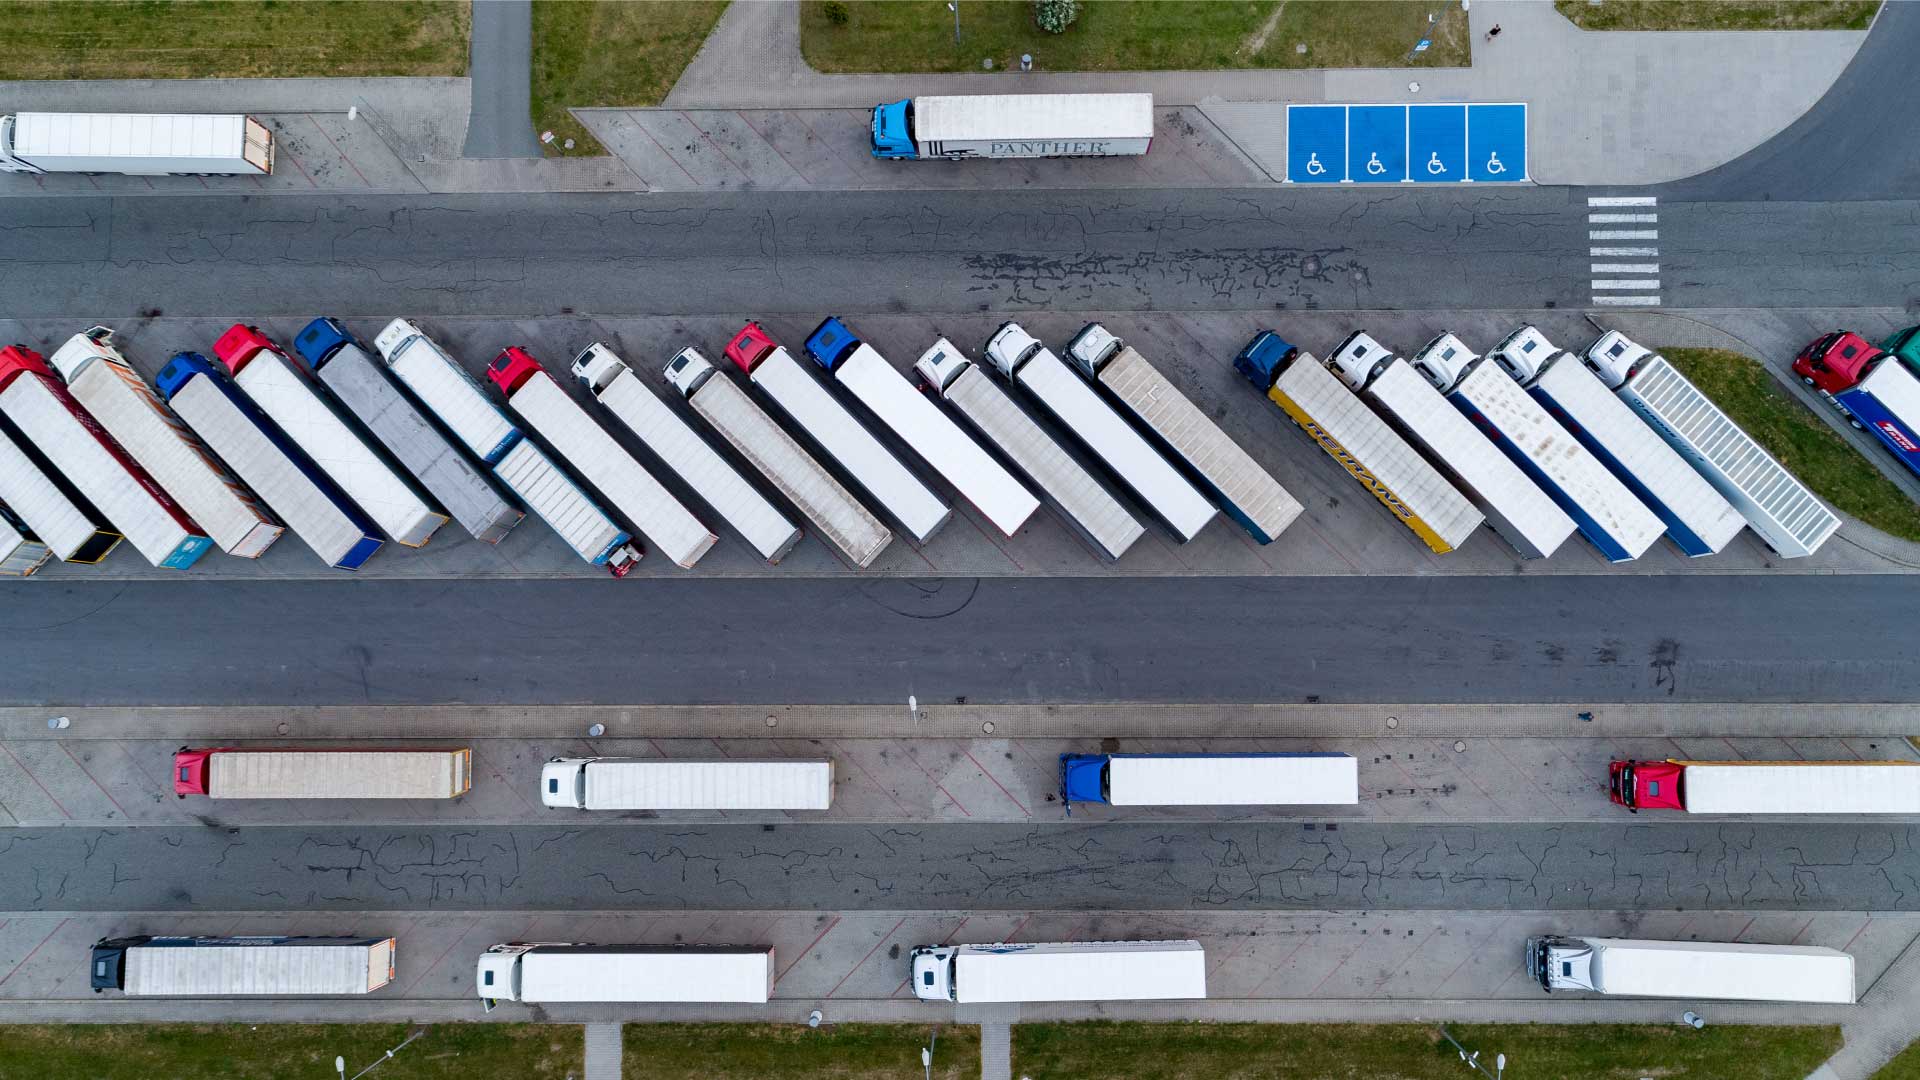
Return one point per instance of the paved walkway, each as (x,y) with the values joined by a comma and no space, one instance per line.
(996,1050)
(603,1052)
(501,52)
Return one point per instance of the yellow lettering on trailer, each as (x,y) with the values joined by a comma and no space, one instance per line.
(1360,472)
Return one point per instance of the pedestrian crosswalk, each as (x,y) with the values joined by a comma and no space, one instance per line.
(1621,232)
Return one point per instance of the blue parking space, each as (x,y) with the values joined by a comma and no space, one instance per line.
(1392,144)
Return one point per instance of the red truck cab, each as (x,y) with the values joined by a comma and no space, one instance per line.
(1836,361)
(240,344)
(15,359)
(190,772)
(1648,785)
(750,346)
(512,367)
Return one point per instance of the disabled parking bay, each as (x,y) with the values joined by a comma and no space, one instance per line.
(1445,143)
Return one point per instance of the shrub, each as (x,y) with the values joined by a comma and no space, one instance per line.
(835,11)
(1054,16)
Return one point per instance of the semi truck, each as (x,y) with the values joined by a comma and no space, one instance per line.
(1698,520)
(364,387)
(1307,779)
(1247,492)
(1335,418)
(1780,509)
(1085,502)
(1608,515)
(564,973)
(276,383)
(1158,485)
(1625,967)
(135,144)
(654,784)
(242,966)
(598,458)
(920,424)
(21,552)
(717,399)
(262,456)
(1904,345)
(1514,506)
(46,415)
(446,389)
(1065,971)
(49,508)
(891,484)
(1874,391)
(100,378)
(1767,787)
(265,772)
(1013,126)
(675,443)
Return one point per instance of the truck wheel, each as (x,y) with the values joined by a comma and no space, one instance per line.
(1857,425)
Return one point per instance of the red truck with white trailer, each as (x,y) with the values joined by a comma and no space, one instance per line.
(347,772)
(1767,787)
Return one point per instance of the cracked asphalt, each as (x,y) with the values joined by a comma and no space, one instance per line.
(1677,866)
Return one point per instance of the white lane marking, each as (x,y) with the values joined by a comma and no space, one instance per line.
(1626,283)
(1637,251)
(1622,219)
(1624,234)
(1627,301)
(1622,200)
(1624,268)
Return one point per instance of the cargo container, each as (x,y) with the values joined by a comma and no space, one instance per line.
(1608,515)
(262,456)
(264,772)
(1515,506)
(1621,967)
(1067,971)
(675,443)
(21,552)
(718,400)
(313,423)
(1248,493)
(556,973)
(453,395)
(1775,503)
(1334,417)
(656,784)
(598,458)
(1085,502)
(101,379)
(1875,392)
(1698,520)
(1767,787)
(1210,779)
(46,415)
(920,424)
(135,144)
(362,384)
(1014,126)
(892,485)
(1125,452)
(242,966)
(48,507)
(1904,346)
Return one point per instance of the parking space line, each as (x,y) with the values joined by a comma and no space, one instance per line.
(337,150)
(1623,234)
(1623,268)
(36,948)
(1622,251)
(656,145)
(1628,301)
(1622,200)
(1643,284)
(996,782)
(943,788)
(1803,929)
(36,781)
(1456,968)
(770,146)
(1622,219)
(876,948)
(96,781)
(458,938)
(835,921)
(884,790)
(1856,935)
(716,146)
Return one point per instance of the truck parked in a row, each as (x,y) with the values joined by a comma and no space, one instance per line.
(562,973)
(1013,126)
(1875,391)
(1624,967)
(21,553)
(135,144)
(1306,779)
(241,966)
(662,784)
(1767,787)
(268,772)
(47,506)
(1066,971)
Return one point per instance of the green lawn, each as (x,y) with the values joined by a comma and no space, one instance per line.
(287,1051)
(795,1052)
(1719,14)
(192,39)
(609,52)
(1137,1051)
(1117,35)
(1801,441)
(1904,1066)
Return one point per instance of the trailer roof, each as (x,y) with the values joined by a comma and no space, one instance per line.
(1033,116)
(1709,969)
(126,135)
(1891,787)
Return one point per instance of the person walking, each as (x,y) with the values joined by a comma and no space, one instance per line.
(1493,33)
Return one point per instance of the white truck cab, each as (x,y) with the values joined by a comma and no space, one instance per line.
(498,976)
(1010,346)
(563,783)
(933,972)
(1358,360)
(1617,358)
(1524,353)
(1092,346)
(1444,361)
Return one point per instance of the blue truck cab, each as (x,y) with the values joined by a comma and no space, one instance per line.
(893,131)
(830,343)
(1083,778)
(1264,358)
(319,340)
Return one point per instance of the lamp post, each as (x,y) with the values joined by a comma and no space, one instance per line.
(1472,1059)
(955,8)
(340,1063)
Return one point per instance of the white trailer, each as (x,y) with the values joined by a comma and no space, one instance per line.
(312,423)
(923,427)
(1515,506)
(100,378)
(549,492)
(1625,967)
(784,462)
(1067,971)
(1014,126)
(1775,503)
(650,784)
(49,510)
(1072,489)
(560,973)
(242,966)
(1768,787)
(21,553)
(238,772)
(1307,779)
(675,442)
(75,444)
(1248,493)
(599,459)
(135,144)
(447,390)
(1698,520)
(891,484)
(1159,486)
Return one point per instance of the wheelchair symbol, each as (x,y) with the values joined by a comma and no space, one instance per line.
(1374,165)
(1314,168)
(1434,165)
(1494,165)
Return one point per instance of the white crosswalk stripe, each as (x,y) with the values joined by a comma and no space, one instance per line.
(1623,284)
